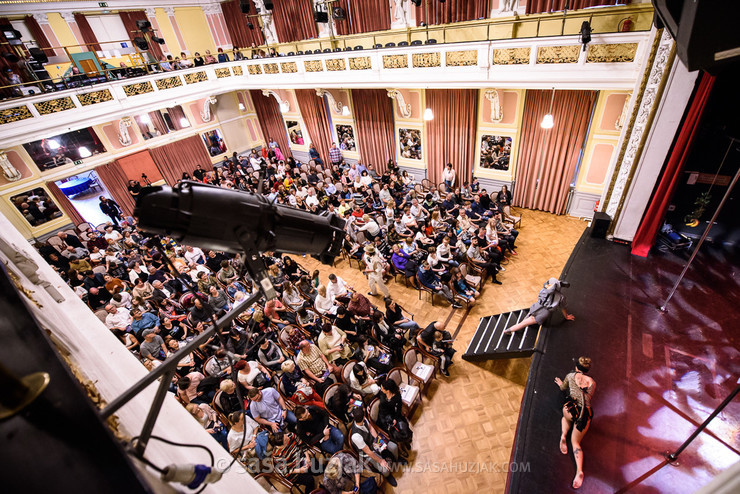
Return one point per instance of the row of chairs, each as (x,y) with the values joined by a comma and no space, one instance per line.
(377,46)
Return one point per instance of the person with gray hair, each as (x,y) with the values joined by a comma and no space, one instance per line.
(548,301)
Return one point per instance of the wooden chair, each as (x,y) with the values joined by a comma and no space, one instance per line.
(284,341)
(410,391)
(426,184)
(423,288)
(476,270)
(55,242)
(205,364)
(473,280)
(84,227)
(421,372)
(347,370)
(219,411)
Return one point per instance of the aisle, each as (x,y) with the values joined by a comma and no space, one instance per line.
(464,430)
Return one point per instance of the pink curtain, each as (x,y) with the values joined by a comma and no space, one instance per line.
(65,204)
(114,179)
(452,11)
(88,36)
(294,20)
(313,111)
(271,120)
(177,157)
(542,6)
(236,23)
(450,135)
(555,150)
(373,112)
(363,16)
(645,236)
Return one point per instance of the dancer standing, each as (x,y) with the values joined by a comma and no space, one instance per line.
(577,409)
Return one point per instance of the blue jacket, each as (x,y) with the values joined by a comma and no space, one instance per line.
(148,320)
(427,278)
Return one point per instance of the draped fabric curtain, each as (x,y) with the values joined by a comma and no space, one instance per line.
(65,204)
(176,115)
(450,135)
(182,156)
(363,16)
(88,36)
(542,6)
(661,199)
(373,112)
(313,111)
(452,11)
(129,19)
(550,156)
(158,122)
(294,20)
(271,120)
(38,35)
(236,23)
(114,179)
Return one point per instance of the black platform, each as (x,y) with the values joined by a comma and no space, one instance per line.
(490,341)
(658,375)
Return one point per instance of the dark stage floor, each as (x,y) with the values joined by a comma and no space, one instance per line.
(658,375)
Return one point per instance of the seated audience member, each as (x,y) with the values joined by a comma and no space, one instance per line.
(228,400)
(436,340)
(268,409)
(338,289)
(430,280)
(296,387)
(117,318)
(371,447)
(219,365)
(313,428)
(152,347)
(270,355)
(333,344)
(207,417)
(251,374)
(315,365)
(245,440)
(143,321)
(292,461)
(476,257)
(390,415)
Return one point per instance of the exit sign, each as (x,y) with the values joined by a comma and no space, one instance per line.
(102,4)
(78,162)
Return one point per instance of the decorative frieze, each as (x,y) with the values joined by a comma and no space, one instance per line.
(426,60)
(54,105)
(271,68)
(511,56)
(313,65)
(558,54)
(168,83)
(335,64)
(395,61)
(95,97)
(237,70)
(15,114)
(611,53)
(196,77)
(138,88)
(254,69)
(360,63)
(288,67)
(223,72)
(463,58)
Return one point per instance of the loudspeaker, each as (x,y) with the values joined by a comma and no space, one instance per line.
(268,4)
(319,16)
(245,5)
(38,55)
(143,26)
(705,31)
(600,225)
(141,43)
(338,13)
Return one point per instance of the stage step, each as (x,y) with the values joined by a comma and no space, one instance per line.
(490,341)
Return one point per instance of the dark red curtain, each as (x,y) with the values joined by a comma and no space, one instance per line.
(88,36)
(177,157)
(38,35)
(313,111)
(373,112)
(645,236)
(542,6)
(176,115)
(452,11)
(363,16)
(294,20)
(65,204)
(114,179)
(450,135)
(548,157)
(236,23)
(129,19)
(271,120)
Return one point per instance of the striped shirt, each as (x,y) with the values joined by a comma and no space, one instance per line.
(335,155)
(288,457)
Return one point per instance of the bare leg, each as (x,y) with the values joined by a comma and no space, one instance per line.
(528,321)
(565,426)
(575,441)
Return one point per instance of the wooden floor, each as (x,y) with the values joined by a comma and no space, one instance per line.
(463,432)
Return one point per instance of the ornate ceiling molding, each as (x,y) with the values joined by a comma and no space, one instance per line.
(497,111)
(403,107)
(333,104)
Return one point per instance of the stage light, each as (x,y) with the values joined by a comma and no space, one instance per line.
(284,107)
(416,2)
(84,152)
(345,110)
(242,107)
(141,43)
(53,144)
(428,114)
(585,34)
(250,25)
(184,122)
(338,13)
(143,26)
(158,40)
(244,5)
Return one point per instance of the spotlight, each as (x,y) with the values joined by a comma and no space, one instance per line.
(242,107)
(284,107)
(145,119)
(428,114)
(141,43)
(547,122)
(158,40)
(84,152)
(143,26)
(244,5)
(321,17)
(585,34)
(53,144)
(338,13)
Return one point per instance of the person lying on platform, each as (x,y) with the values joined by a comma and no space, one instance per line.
(548,300)
(577,408)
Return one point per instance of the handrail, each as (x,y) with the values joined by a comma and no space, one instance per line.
(516,23)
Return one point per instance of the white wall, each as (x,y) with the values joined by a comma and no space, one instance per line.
(110,28)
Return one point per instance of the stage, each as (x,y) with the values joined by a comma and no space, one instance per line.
(658,375)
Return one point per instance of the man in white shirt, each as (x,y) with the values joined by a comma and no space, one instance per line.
(311,199)
(117,318)
(337,289)
(255,161)
(111,234)
(418,211)
(370,227)
(194,254)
